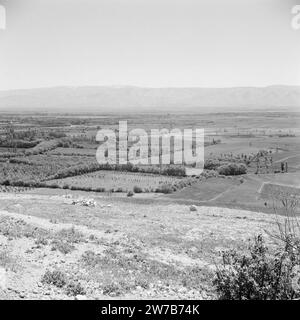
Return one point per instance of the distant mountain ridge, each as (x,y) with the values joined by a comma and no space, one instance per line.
(129,98)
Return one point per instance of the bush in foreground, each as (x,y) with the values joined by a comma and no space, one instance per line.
(59,279)
(74,288)
(259,275)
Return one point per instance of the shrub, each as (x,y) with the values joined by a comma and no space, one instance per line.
(113,289)
(173,170)
(130,194)
(137,189)
(211,164)
(56,278)
(232,169)
(41,241)
(258,275)
(60,280)
(89,258)
(74,288)
(62,246)
(70,235)
(165,188)
(209,174)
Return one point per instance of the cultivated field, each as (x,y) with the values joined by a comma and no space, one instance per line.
(117,181)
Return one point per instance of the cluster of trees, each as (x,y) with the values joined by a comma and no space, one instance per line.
(43,147)
(16,143)
(92,167)
(232,169)
(34,147)
(225,168)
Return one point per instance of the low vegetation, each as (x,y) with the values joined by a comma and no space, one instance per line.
(264,272)
(55,277)
(260,274)
(232,169)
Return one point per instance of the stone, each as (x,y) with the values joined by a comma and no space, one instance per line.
(193,208)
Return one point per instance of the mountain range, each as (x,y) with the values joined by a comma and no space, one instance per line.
(109,99)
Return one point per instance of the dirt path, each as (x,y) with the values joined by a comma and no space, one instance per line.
(208,200)
(222,193)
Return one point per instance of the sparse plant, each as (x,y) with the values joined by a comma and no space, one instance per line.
(62,246)
(113,289)
(263,274)
(165,188)
(55,277)
(41,241)
(70,235)
(130,194)
(74,288)
(92,237)
(286,209)
(141,282)
(89,258)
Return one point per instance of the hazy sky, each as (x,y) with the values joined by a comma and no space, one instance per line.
(157,43)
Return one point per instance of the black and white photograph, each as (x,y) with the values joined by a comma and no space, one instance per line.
(149,151)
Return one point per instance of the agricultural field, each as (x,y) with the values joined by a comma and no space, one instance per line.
(118,181)
(12,172)
(207,190)
(64,154)
(38,168)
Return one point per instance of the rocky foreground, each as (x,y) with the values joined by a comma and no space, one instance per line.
(65,246)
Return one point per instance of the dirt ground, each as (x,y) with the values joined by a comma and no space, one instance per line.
(52,246)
